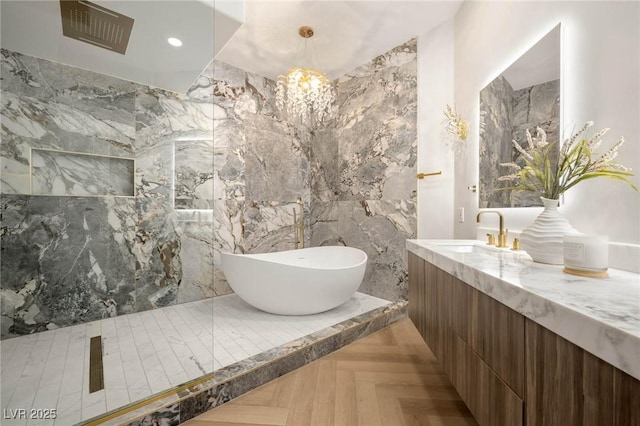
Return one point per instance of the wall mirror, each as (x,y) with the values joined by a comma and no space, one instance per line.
(525,96)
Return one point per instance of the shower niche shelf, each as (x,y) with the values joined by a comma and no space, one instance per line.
(66,173)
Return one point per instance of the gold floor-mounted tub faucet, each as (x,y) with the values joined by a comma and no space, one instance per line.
(298,225)
(502,235)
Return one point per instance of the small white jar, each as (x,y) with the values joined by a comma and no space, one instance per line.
(586,252)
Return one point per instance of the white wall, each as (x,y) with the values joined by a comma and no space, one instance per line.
(435,90)
(601,82)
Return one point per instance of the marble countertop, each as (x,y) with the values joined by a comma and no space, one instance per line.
(601,315)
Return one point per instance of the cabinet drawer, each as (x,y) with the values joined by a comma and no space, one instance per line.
(489,399)
(498,338)
(494,331)
(441,304)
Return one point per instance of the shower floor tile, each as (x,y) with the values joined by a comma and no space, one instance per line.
(145,353)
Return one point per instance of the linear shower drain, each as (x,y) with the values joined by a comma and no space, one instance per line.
(96,374)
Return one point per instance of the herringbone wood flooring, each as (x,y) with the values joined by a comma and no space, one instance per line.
(389,378)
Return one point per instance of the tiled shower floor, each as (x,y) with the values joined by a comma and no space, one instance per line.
(145,353)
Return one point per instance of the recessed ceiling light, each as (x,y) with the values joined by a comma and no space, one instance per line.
(175,42)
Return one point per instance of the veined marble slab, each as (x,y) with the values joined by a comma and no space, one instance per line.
(65,260)
(602,316)
(377,127)
(54,106)
(193,174)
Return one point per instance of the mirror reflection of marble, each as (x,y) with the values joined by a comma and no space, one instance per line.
(525,96)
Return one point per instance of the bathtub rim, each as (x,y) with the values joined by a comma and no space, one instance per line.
(267,257)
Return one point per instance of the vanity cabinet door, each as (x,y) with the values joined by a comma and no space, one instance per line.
(426,307)
(417,296)
(430,302)
(566,385)
(489,399)
(497,337)
(474,338)
(494,331)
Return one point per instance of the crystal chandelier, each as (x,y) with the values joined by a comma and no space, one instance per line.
(305,95)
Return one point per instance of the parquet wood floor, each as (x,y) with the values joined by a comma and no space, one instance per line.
(389,378)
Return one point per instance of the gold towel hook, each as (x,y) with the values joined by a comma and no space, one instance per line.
(423,175)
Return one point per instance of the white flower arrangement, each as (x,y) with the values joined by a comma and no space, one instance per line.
(576,162)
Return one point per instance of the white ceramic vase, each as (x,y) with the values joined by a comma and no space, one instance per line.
(543,239)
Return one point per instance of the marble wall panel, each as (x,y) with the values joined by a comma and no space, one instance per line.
(268,226)
(380,228)
(228,161)
(262,92)
(231,102)
(157,254)
(324,173)
(162,115)
(277,154)
(228,229)
(193,180)
(202,87)
(363,166)
(53,106)
(277,162)
(229,82)
(169,125)
(154,172)
(65,261)
(167,122)
(196,256)
(323,224)
(65,173)
(377,127)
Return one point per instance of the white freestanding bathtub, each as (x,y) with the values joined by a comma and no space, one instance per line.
(296,282)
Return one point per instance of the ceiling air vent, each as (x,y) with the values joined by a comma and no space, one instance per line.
(88,22)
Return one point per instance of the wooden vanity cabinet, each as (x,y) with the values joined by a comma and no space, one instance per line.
(479,342)
(508,369)
(567,385)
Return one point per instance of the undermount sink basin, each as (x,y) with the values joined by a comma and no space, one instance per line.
(467,246)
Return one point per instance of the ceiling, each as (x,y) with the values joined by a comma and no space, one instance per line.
(34,27)
(347,34)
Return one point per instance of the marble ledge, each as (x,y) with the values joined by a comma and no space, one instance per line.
(602,316)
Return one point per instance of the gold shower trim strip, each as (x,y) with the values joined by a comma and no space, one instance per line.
(423,175)
(150,400)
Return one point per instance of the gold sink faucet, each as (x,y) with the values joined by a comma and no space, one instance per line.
(298,225)
(502,235)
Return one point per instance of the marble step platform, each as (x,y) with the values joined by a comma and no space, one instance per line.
(184,402)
